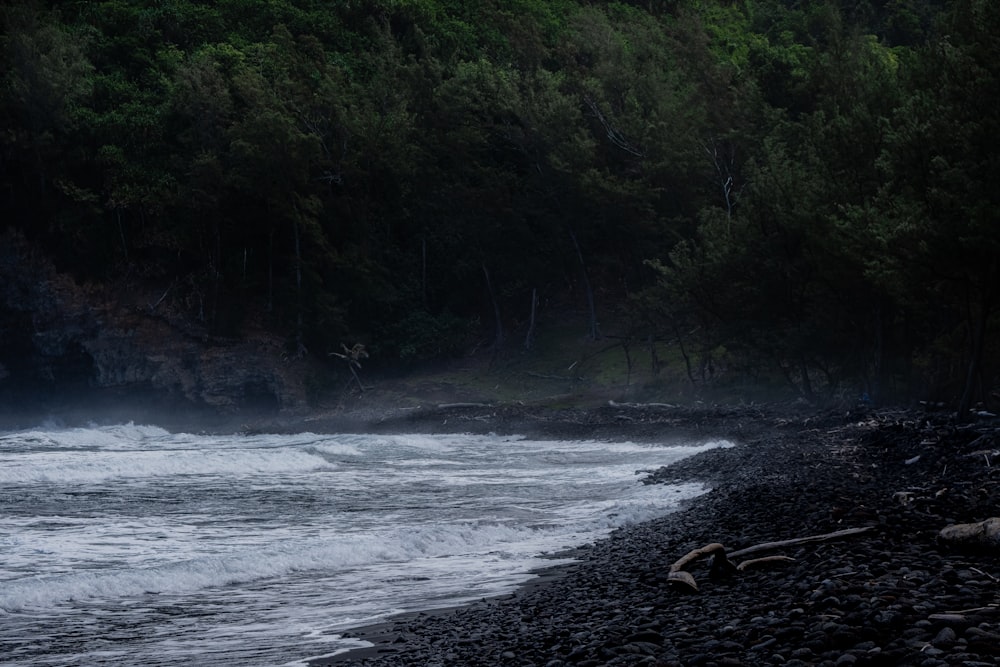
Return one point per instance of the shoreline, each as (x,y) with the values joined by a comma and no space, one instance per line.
(384,635)
(896,595)
(891,596)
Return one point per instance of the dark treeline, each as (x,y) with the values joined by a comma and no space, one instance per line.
(804,190)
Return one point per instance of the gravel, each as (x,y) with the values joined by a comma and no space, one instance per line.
(894,595)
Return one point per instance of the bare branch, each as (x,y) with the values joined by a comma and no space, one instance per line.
(616,137)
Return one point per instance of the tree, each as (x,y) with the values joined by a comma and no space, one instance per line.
(936,215)
(47,79)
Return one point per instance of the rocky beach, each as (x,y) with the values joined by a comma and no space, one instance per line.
(890,592)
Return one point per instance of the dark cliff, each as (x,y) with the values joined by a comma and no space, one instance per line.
(66,346)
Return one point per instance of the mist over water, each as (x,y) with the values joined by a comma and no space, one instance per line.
(133,545)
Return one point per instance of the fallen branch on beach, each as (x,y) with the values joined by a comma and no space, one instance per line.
(616,404)
(721,565)
(677,574)
(980,535)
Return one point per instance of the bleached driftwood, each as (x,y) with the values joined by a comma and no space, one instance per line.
(796,541)
(755,563)
(616,404)
(979,535)
(722,565)
(677,575)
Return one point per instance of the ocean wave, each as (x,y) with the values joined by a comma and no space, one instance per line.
(91,466)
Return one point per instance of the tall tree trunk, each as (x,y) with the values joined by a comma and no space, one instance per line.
(654,358)
(807,389)
(529,338)
(878,356)
(975,362)
(979,322)
(594,332)
(121,232)
(270,271)
(300,348)
(216,271)
(687,359)
(498,339)
(722,169)
(626,342)
(423,271)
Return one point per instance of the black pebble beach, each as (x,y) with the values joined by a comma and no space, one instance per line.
(893,595)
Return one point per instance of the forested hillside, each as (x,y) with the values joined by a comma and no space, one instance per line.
(800,190)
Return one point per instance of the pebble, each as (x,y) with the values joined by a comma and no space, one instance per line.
(945,637)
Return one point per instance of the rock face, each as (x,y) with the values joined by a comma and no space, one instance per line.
(61,341)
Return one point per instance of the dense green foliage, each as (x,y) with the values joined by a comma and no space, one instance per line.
(804,189)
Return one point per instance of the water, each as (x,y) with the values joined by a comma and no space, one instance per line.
(130,545)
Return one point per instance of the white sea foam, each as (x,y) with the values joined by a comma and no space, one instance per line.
(336,449)
(90,466)
(340,552)
(271,541)
(251,565)
(105,437)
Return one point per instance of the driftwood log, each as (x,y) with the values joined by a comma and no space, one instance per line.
(450,406)
(722,565)
(980,535)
